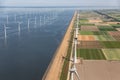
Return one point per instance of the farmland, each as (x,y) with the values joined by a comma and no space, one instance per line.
(112,54)
(99,36)
(91,54)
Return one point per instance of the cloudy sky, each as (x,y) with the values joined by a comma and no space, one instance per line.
(60,2)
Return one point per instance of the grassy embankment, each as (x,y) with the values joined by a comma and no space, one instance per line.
(65,68)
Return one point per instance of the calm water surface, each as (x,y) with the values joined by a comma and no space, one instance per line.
(28,40)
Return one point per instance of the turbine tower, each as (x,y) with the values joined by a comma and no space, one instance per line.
(7,18)
(35,20)
(40,20)
(44,20)
(28,25)
(15,17)
(77,28)
(5,32)
(5,35)
(75,50)
(73,70)
(19,23)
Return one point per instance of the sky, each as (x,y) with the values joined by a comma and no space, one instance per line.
(59,2)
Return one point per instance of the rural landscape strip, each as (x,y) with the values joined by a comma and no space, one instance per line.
(96,43)
(105,37)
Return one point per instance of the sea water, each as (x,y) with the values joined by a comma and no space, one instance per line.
(29,38)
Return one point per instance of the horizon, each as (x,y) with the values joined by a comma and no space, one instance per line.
(59,3)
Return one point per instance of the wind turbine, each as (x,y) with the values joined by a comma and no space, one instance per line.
(77,28)
(75,41)
(73,70)
(15,17)
(28,25)
(19,28)
(5,35)
(75,50)
(35,22)
(40,20)
(7,18)
(5,32)
(44,19)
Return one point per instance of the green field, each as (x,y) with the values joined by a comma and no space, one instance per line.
(91,54)
(93,33)
(106,28)
(104,38)
(86,32)
(86,24)
(111,44)
(83,20)
(112,54)
(115,25)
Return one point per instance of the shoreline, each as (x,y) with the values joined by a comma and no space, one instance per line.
(54,69)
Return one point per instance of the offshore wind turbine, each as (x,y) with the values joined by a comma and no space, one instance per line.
(5,31)
(35,22)
(28,25)
(15,17)
(7,18)
(40,20)
(44,20)
(49,19)
(19,28)
(5,35)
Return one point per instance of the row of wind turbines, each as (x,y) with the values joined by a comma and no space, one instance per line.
(38,21)
(73,70)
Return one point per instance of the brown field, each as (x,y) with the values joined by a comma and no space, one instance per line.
(95,20)
(115,34)
(98,70)
(113,22)
(86,38)
(101,24)
(89,28)
(89,44)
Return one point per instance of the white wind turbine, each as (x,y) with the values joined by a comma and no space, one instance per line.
(5,31)
(73,70)
(35,22)
(19,28)
(15,17)
(40,20)
(7,18)
(5,34)
(28,25)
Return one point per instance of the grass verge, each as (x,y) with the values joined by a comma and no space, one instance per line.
(65,68)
